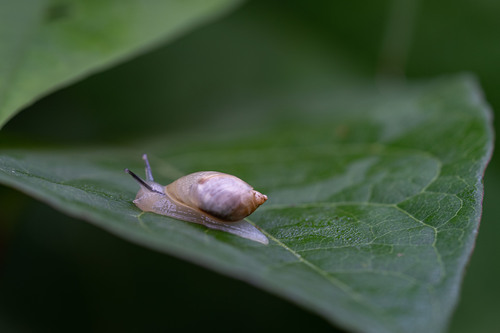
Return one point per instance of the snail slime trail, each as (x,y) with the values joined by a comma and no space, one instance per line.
(216,200)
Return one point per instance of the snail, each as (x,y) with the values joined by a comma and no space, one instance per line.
(216,200)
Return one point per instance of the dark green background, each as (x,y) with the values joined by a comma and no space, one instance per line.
(66,275)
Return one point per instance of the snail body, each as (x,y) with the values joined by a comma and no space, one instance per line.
(217,200)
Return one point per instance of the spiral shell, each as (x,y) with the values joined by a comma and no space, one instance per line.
(224,196)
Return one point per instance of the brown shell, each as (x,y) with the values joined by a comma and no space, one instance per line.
(224,196)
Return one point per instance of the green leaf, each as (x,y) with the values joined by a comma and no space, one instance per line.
(374,199)
(48,44)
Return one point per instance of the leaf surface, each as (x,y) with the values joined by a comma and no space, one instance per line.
(374,201)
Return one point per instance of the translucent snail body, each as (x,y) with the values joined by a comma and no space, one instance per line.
(214,199)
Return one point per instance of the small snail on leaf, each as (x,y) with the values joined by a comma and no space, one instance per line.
(214,199)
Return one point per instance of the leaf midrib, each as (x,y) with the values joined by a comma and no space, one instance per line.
(358,298)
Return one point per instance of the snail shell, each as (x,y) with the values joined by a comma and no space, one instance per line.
(221,195)
(214,199)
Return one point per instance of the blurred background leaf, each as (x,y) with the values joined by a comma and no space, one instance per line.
(255,55)
(47,44)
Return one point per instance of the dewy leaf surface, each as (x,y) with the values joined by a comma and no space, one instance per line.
(373,208)
(47,44)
